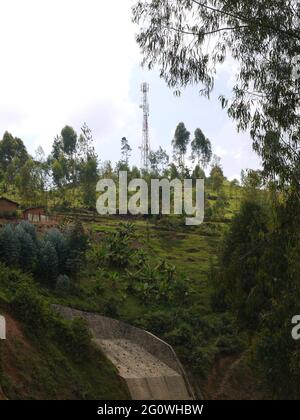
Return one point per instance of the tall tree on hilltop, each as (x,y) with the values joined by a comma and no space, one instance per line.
(11,148)
(30,183)
(63,159)
(88,166)
(201,149)
(159,161)
(88,180)
(216,174)
(13,155)
(57,148)
(180,143)
(86,142)
(69,140)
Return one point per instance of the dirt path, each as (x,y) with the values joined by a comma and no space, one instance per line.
(2,395)
(222,387)
(218,377)
(232,379)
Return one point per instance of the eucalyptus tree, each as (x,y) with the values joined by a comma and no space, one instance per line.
(87,166)
(201,149)
(159,161)
(262,37)
(180,143)
(11,148)
(13,155)
(125,150)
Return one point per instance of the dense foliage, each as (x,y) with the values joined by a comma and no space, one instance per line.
(47,257)
(49,357)
(263,39)
(259,282)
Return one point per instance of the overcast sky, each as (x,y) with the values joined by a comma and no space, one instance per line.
(74,61)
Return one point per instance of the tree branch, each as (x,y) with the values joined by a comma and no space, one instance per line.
(246,19)
(206,33)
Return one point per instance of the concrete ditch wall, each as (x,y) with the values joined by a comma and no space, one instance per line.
(149,366)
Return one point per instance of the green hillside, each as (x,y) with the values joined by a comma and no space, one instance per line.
(163,285)
(45,357)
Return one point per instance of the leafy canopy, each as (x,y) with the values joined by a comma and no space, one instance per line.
(201,149)
(180,143)
(263,37)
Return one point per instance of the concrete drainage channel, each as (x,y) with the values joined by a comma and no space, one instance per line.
(148,365)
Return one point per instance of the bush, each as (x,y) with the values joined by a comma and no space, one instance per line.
(82,337)
(111,307)
(74,337)
(27,249)
(31,230)
(9,246)
(77,242)
(63,284)
(48,257)
(118,247)
(239,284)
(47,264)
(11,280)
(259,275)
(60,243)
(159,322)
(77,239)
(31,309)
(18,246)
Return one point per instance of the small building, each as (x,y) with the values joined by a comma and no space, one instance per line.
(36,215)
(7,207)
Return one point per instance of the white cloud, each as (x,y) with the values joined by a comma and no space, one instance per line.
(221,152)
(66,62)
(235,149)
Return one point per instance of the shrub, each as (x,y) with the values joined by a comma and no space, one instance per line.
(11,280)
(47,264)
(157,321)
(63,284)
(111,307)
(118,244)
(74,337)
(47,257)
(59,242)
(31,309)
(30,229)
(82,337)
(239,277)
(9,246)
(27,249)
(77,242)
(77,239)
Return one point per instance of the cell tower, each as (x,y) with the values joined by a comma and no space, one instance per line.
(146,139)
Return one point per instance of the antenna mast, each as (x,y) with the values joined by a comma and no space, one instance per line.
(146,139)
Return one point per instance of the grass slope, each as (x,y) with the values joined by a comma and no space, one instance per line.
(39,368)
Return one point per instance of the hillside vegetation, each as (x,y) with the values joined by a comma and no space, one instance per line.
(184,284)
(45,357)
(156,274)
